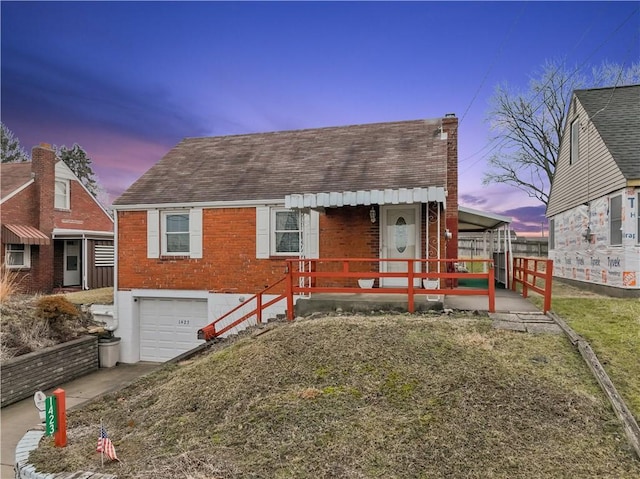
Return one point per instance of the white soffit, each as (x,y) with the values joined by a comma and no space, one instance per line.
(366,197)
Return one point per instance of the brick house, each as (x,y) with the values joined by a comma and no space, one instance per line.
(593,210)
(212,222)
(54,232)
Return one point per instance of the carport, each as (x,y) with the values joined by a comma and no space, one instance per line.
(496,239)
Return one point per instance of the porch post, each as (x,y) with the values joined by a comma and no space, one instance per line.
(289,291)
(410,299)
(492,288)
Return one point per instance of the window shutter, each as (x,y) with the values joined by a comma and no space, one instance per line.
(195,233)
(262,232)
(312,235)
(153,234)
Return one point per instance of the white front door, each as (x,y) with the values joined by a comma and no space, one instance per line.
(400,239)
(71,275)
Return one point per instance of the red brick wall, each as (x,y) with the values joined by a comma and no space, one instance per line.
(85,213)
(229,260)
(229,256)
(348,233)
(22,208)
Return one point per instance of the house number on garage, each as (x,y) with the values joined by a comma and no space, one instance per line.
(183,322)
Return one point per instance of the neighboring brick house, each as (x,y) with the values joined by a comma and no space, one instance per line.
(211,223)
(55,234)
(594,211)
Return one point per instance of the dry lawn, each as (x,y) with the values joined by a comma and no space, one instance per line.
(92,296)
(360,397)
(612,327)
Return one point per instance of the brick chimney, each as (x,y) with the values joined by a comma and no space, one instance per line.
(450,127)
(43,167)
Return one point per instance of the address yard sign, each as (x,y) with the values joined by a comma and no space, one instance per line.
(55,408)
(51,420)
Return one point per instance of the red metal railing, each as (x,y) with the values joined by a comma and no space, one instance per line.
(526,276)
(339,270)
(210,331)
(340,275)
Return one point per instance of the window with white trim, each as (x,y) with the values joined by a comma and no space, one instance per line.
(17,256)
(285,232)
(575,140)
(62,201)
(552,233)
(615,220)
(175,233)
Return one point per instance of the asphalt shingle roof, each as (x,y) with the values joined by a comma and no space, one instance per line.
(13,176)
(615,112)
(265,166)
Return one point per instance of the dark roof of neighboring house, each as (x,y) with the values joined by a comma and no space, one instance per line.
(14,175)
(405,154)
(615,112)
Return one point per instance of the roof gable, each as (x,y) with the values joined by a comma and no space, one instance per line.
(615,112)
(266,166)
(14,176)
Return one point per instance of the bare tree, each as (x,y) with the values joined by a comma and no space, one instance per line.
(528,125)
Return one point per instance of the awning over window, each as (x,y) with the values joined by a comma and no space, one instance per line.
(23,234)
(366,197)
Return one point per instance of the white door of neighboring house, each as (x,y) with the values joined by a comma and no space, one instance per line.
(169,326)
(71,274)
(400,239)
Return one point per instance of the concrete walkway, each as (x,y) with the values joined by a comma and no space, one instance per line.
(18,418)
(506,301)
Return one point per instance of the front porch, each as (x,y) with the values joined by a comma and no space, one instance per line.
(506,301)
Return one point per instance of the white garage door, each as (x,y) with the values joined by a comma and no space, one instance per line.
(169,327)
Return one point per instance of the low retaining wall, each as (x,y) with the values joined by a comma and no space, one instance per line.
(23,375)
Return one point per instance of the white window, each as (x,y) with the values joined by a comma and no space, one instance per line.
(574,145)
(285,232)
(175,233)
(62,195)
(18,256)
(615,220)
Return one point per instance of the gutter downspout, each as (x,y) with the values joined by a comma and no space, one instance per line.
(510,259)
(116,313)
(439,238)
(85,285)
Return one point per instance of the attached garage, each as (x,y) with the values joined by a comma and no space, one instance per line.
(169,327)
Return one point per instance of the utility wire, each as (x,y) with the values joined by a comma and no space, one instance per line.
(495,59)
(572,74)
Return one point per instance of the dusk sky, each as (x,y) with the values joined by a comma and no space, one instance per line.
(129,80)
